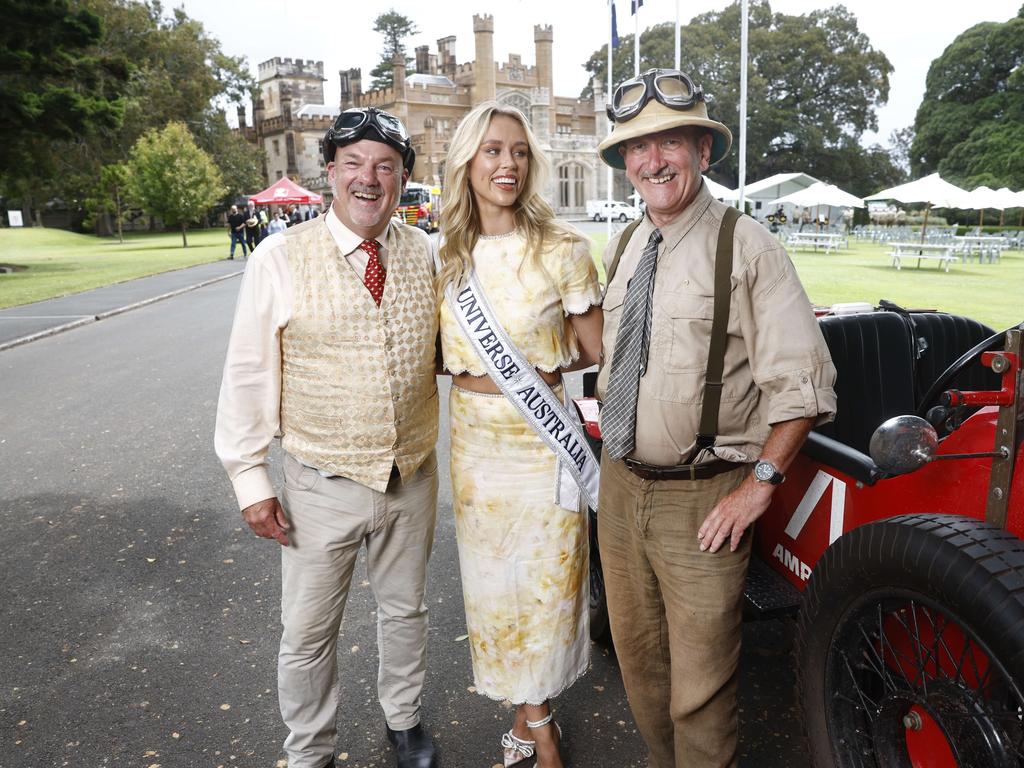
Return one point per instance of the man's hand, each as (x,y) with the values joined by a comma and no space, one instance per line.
(733,514)
(736,512)
(267,520)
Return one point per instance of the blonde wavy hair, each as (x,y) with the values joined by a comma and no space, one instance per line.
(460,219)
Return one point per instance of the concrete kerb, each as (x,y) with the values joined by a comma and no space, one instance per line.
(112,312)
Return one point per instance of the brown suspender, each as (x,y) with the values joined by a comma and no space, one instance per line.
(623,242)
(707,431)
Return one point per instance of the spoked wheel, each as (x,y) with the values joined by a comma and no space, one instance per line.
(912,647)
(913,686)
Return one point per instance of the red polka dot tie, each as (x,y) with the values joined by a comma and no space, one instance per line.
(375,274)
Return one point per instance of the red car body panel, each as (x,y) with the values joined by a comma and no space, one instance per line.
(954,486)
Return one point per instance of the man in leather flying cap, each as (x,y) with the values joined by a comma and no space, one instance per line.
(332,348)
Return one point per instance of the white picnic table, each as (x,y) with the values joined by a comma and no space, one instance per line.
(828,241)
(985,246)
(940,252)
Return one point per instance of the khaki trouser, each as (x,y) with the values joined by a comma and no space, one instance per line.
(331,518)
(675,613)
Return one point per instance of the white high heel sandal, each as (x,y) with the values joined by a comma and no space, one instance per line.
(517,751)
(532,724)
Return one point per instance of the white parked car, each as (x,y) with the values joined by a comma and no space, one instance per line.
(599,210)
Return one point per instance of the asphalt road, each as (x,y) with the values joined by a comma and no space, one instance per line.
(139,623)
(42,317)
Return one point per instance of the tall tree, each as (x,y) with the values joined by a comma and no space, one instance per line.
(110,199)
(968,124)
(179,74)
(900,143)
(395,28)
(54,87)
(240,163)
(815,82)
(173,178)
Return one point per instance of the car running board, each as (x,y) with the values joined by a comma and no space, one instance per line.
(767,595)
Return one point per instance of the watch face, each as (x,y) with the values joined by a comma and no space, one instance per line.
(764,470)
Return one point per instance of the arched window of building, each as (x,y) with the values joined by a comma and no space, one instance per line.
(570,186)
(518,100)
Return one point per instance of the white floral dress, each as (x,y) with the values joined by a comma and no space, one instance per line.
(523,558)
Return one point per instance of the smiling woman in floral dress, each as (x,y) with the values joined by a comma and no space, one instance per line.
(523,557)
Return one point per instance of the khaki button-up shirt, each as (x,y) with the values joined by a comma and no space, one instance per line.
(777,366)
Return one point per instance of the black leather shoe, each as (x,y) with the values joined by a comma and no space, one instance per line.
(414,748)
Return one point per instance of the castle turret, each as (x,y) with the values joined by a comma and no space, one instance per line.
(423,59)
(543,39)
(601,126)
(351,87)
(304,78)
(483,68)
(446,56)
(398,75)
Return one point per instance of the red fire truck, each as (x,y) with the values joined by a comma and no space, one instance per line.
(420,206)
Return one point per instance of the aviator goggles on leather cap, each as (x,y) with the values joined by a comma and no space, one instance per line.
(369,123)
(670,87)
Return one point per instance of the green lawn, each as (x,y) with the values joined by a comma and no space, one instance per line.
(59,263)
(991,293)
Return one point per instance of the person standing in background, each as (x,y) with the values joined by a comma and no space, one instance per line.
(252,227)
(236,229)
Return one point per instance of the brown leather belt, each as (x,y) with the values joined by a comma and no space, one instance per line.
(701,471)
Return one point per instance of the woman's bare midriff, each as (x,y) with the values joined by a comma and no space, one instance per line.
(485,385)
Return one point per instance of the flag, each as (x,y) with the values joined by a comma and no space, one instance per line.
(615,29)
(634,5)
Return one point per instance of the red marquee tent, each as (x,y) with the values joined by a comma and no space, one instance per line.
(284,191)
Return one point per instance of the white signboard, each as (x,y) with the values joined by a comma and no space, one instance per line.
(14,219)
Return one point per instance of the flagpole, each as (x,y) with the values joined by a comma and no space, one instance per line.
(607,98)
(743,106)
(677,34)
(636,40)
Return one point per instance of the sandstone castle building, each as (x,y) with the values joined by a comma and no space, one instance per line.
(291,115)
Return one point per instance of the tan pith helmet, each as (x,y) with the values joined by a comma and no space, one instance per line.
(655,117)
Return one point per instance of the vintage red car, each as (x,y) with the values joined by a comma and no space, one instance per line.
(897,540)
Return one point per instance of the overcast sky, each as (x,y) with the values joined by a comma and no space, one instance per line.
(340,33)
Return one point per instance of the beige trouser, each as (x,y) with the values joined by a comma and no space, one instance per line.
(675,613)
(331,518)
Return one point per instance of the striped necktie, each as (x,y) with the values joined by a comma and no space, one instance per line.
(375,274)
(629,362)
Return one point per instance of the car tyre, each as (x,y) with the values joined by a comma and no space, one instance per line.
(623,218)
(910,646)
(600,631)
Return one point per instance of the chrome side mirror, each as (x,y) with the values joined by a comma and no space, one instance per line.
(903,443)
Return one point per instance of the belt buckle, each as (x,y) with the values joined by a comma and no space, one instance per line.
(633,466)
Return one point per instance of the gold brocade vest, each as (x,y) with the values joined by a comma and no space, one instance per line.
(358,390)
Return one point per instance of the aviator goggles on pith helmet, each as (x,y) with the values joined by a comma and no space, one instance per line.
(670,87)
(369,123)
(656,101)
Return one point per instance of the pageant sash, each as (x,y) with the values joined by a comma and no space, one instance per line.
(578,468)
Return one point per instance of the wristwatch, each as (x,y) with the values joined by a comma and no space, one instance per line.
(766,472)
